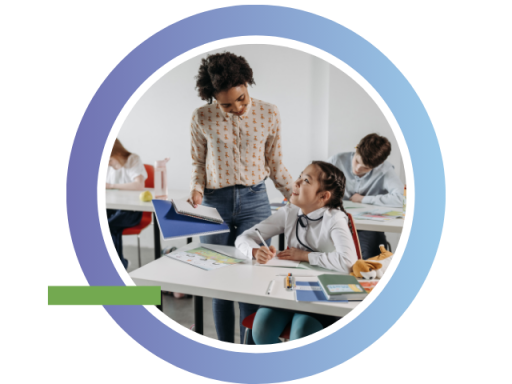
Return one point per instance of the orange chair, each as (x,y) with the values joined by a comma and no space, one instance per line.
(146,216)
(249,320)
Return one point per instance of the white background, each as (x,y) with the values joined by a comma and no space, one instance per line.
(323,112)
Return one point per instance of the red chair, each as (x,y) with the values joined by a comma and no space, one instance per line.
(146,216)
(355,237)
(249,320)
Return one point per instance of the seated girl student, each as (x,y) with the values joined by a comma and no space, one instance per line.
(316,226)
(125,171)
(370,180)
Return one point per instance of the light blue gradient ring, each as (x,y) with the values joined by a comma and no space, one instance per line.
(387,80)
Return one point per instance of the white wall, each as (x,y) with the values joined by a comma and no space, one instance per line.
(323,112)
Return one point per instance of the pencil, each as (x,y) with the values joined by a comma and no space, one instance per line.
(261,238)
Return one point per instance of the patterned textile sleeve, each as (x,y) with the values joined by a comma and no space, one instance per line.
(198,146)
(274,158)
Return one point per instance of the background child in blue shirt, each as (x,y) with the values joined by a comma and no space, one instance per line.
(370,180)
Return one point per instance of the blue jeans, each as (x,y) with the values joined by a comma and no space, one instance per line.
(241,208)
(370,241)
(118,221)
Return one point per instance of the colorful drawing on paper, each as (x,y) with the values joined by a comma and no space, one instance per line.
(378,216)
(393,214)
(204,258)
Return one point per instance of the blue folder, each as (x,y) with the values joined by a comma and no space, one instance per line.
(173,225)
(315,295)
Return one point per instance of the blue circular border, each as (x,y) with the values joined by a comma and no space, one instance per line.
(386,79)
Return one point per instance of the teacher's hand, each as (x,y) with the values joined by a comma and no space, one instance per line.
(196,198)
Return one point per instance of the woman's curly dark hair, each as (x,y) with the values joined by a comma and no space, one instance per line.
(332,179)
(220,72)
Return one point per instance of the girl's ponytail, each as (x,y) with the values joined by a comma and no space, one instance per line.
(333,180)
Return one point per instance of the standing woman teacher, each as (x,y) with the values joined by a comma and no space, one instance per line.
(235,146)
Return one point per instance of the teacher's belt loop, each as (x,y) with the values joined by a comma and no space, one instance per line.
(303,221)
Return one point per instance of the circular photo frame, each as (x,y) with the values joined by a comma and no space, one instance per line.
(378,71)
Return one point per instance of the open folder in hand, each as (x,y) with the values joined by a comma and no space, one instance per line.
(174,225)
(183,207)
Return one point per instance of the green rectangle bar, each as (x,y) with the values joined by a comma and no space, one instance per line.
(104,295)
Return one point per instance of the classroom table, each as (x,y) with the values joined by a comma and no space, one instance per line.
(393,225)
(245,283)
(129,201)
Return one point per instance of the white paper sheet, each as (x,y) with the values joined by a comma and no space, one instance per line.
(275,262)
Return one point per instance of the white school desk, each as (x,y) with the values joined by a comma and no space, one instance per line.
(393,225)
(129,201)
(244,283)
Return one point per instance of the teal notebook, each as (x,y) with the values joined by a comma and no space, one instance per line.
(341,287)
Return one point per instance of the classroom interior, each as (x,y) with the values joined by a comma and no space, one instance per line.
(323,111)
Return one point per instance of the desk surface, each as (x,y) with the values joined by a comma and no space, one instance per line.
(393,225)
(243,283)
(129,201)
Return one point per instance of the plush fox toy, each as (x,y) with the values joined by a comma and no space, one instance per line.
(374,267)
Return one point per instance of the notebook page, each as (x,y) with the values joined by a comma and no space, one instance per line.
(275,262)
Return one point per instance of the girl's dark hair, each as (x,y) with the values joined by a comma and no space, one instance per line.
(333,180)
(221,72)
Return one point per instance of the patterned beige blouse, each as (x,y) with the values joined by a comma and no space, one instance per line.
(228,149)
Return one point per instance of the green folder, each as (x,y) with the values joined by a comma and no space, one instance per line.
(341,287)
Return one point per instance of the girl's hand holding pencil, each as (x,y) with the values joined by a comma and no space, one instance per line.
(264,254)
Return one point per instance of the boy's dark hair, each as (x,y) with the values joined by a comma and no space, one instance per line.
(332,179)
(374,149)
(221,72)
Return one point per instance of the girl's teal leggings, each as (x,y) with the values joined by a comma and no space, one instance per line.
(269,323)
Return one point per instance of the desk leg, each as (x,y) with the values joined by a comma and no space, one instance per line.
(156,236)
(281,242)
(161,306)
(198,314)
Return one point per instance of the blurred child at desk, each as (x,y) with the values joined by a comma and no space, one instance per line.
(371,179)
(125,171)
